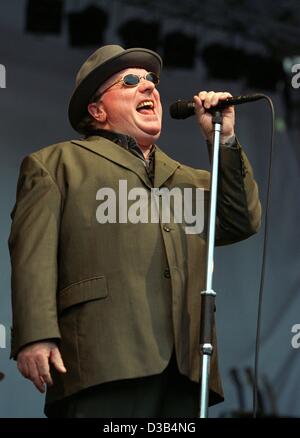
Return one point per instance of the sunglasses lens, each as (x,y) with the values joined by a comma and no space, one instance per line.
(131,80)
(152,78)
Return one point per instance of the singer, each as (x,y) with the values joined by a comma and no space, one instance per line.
(105,316)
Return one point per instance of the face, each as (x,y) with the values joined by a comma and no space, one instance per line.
(119,109)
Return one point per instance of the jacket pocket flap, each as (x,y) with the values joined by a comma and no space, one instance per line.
(86,290)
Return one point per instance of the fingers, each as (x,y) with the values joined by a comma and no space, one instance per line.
(29,370)
(33,363)
(206,100)
(23,368)
(42,364)
(35,376)
(210,99)
(56,359)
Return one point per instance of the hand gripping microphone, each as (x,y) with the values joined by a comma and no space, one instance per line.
(181,109)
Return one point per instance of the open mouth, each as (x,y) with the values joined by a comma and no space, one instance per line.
(145,107)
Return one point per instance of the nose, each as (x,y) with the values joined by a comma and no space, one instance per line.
(146,85)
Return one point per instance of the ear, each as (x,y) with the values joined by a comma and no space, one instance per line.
(97,111)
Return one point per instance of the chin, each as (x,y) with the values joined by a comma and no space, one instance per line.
(146,141)
(153,136)
(155,133)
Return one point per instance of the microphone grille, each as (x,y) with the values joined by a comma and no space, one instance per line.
(180,109)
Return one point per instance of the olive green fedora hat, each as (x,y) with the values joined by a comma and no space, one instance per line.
(103,63)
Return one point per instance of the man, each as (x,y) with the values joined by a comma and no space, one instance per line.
(106,312)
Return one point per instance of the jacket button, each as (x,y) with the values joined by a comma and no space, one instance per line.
(167,229)
(167,273)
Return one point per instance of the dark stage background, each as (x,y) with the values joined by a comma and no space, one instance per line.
(261,41)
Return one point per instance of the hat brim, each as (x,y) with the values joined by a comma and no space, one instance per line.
(137,57)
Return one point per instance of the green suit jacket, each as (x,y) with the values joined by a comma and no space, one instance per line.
(116,296)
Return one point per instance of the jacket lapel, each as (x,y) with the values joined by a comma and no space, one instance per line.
(164,165)
(117,154)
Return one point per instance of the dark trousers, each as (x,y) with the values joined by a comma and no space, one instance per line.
(166,395)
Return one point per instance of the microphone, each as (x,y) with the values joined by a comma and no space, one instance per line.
(181,109)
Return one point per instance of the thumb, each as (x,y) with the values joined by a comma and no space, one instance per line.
(56,360)
(199,105)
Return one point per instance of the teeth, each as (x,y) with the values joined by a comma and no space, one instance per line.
(145,103)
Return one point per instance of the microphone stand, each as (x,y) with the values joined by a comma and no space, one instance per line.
(208,295)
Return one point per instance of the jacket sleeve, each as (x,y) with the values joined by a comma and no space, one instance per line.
(33,245)
(238,206)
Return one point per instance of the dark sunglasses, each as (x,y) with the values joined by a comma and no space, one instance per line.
(132,80)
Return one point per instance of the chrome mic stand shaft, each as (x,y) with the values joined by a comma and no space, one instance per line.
(208,295)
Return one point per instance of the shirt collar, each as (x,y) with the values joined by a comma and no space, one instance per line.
(126,141)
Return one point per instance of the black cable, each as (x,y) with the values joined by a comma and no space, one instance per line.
(263,268)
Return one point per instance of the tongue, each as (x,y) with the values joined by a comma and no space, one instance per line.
(145,111)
